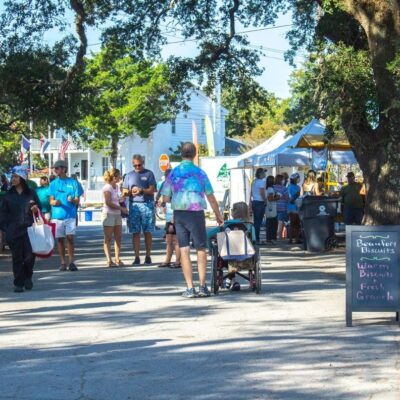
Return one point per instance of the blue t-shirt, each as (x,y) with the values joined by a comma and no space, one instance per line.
(294,192)
(43,193)
(143,179)
(60,189)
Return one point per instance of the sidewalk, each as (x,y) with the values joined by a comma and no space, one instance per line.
(104,334)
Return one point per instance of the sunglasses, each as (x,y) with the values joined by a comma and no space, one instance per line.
(57,167)
(137,165)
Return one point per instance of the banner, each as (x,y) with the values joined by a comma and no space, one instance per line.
(320,159)
(210,137)
(195,140)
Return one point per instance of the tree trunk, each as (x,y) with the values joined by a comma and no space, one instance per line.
(114,151)
(378,150)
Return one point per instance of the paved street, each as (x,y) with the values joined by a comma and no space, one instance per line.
(102,334)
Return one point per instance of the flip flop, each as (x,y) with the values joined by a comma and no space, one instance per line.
(175,265)
(164,265)
(120,263)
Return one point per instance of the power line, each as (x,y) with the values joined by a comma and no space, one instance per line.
(238,33)
(194,40)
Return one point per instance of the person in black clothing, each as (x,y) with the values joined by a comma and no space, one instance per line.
(16,215)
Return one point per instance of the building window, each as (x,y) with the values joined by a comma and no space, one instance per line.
(173,126)
(104,164)
(203,126)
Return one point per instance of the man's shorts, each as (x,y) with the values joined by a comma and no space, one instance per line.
(110,219)
(141,217)
(65,227)
(283,216)
(190,225)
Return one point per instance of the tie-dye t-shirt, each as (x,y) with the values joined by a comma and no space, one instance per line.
(187,185)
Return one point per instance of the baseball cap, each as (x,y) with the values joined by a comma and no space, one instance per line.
(60,163)
(21,171)
(295,176)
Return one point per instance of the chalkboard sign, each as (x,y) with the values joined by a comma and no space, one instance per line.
(372,269)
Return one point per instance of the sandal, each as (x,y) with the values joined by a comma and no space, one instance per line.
(164,265)
(111,264)
(120,263)
(175,265)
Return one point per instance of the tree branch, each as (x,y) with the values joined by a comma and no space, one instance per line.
(80,20)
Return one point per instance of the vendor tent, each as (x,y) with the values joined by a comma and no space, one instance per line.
(313,136)
(288,155)
(247,159)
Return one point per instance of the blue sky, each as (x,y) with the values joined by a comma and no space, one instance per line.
(271,40)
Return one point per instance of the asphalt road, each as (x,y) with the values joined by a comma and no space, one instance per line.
(125,333)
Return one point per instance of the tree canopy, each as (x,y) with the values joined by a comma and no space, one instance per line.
(354,45)
(122,96)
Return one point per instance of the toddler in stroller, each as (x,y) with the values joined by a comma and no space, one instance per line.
(240,221)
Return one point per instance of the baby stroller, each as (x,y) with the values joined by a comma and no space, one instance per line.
(243,259)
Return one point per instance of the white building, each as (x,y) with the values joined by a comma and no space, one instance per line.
(90,165)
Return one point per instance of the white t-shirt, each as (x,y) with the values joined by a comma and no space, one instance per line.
(255,189)
(115,196)
(270,210)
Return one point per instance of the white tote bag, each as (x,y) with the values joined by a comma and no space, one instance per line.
(40,236)
(234,245)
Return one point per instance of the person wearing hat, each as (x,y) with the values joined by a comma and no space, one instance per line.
(16,215)
(352,201)
(64,197)
(294,192)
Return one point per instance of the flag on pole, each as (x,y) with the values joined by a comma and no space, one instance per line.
(210,137)
(44,144)
(195,141)
(25,146)
(63,147)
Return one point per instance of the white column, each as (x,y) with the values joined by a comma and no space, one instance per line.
(30,147)
(49,149)
(89,162)
(69,155)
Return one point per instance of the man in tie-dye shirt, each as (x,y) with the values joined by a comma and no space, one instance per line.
(187,187)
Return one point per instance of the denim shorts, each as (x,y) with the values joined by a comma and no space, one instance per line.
(283,216)
(190,225)
(141,217)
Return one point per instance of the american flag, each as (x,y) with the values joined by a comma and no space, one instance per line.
(63,147)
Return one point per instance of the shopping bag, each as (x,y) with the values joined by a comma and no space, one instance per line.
(41,237)
(52,226)
(234,245)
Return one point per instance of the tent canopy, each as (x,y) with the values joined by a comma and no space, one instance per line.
(313,136)
(247,159)
(288,155)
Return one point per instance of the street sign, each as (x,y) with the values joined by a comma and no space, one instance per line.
(163,162)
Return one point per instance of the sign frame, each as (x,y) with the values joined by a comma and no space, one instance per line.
(350,307)
(164,158)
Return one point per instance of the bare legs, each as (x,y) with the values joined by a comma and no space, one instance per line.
(70,246)
(171,245)
(109,231)
(148,240)
(187,266)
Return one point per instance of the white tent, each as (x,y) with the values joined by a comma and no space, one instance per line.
(247,159)
(287,155)
(241,167)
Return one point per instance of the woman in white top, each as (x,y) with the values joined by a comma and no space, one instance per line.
(258,201)
(111,215)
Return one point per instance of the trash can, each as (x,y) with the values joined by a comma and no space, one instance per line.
(317,216)
(88,215)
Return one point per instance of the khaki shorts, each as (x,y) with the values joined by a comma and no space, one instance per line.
(111,219)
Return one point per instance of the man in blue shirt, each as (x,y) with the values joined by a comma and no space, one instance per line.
(140,186)
(64,197)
